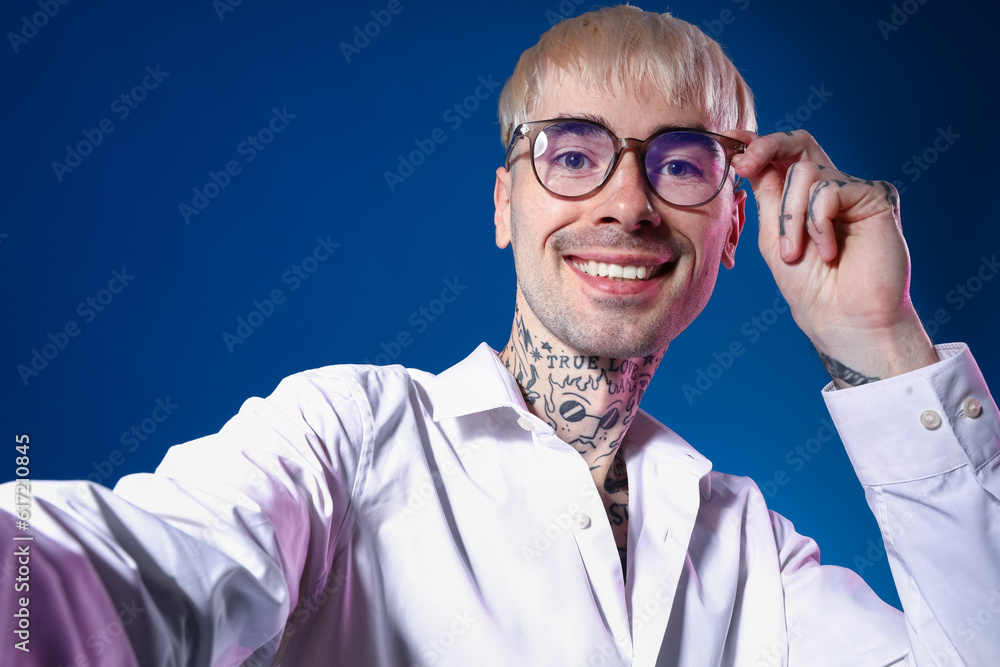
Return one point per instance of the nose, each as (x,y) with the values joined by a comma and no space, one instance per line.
(626,198)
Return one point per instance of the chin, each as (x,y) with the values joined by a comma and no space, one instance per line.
(618,343)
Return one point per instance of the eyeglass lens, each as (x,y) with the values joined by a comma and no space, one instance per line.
(685,168)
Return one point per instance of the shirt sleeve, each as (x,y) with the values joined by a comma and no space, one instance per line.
(926,447)
(201,562)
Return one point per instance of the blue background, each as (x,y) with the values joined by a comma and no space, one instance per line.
(889,92)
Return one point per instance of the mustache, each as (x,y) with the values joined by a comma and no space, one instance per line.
(609,237)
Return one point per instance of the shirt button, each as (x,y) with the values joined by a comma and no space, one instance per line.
(930,419)
(525,423)
(581,520)
(972,408)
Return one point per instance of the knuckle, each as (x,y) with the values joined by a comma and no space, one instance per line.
(813,171)
(802,136)
(806,137)
(888,186)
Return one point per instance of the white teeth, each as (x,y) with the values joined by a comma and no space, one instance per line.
(615,271)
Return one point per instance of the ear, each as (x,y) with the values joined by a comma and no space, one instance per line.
(501,203)
(738,213)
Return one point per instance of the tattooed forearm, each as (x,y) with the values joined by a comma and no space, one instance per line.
(839,371)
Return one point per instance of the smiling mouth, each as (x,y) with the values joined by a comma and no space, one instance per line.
(623,272)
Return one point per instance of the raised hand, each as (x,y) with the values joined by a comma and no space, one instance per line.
(836,249)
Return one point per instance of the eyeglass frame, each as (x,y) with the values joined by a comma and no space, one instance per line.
(731,147)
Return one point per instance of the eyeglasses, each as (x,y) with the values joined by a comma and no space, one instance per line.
(574,158)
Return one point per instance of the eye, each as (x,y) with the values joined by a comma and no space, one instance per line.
(680,169)
(573,161)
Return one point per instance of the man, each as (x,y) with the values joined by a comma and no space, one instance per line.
(519,508)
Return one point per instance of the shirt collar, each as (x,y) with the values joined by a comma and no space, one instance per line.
(478,383)
(481,382)
(661,443)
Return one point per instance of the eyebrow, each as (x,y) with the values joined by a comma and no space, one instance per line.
(596,118)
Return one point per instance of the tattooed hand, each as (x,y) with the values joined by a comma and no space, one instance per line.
(836,249)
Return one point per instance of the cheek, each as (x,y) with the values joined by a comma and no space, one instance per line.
(713,242)
(535,215)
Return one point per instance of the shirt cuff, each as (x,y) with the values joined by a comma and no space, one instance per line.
(918,424)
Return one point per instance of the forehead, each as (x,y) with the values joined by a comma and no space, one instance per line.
(637,111)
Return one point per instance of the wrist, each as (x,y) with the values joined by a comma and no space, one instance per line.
(860,357)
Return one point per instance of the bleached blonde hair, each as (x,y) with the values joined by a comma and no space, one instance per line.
(625,47)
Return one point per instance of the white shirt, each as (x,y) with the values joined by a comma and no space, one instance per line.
(386,516)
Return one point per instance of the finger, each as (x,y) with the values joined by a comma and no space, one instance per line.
(824,204)
(746,136)
(793,209)
(836,203)
(781,149)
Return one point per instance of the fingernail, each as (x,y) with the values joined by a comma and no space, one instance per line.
(785,245)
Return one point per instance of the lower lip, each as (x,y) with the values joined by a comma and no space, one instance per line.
(614,287)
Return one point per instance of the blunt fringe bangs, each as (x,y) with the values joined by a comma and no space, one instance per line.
(622,48)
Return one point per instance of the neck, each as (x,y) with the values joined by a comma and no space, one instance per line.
(589,400)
